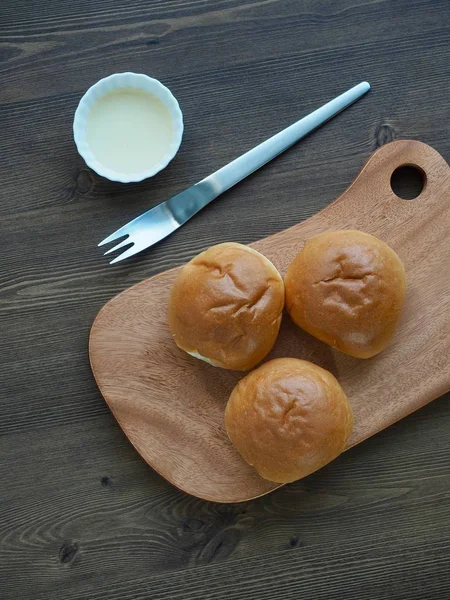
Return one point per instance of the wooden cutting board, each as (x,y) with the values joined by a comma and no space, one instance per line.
(171,405)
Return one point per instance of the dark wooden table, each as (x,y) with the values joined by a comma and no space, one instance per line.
(81,515)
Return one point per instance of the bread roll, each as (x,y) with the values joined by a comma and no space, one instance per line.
(226,306)
(347,288)
(288,418)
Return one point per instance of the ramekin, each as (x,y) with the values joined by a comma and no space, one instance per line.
(118,81)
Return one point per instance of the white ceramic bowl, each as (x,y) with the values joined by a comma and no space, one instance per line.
(117,81)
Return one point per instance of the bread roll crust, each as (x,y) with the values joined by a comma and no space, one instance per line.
(347,288)
(226,306)
(288,418)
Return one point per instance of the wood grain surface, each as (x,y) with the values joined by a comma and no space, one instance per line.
(170,405)
(81,514)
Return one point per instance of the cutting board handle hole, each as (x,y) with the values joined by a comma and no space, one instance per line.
(408,181)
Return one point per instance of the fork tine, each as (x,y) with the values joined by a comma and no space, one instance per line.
(125,242)
(116,235)
(135,248)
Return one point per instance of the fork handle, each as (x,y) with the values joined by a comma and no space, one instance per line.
(241,167)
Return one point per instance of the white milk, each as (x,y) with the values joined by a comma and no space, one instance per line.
(129,130)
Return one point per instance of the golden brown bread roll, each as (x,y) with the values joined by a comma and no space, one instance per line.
(347,288)
(288,418)
(226,306)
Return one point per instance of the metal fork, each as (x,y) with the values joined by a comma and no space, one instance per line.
(160,221)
